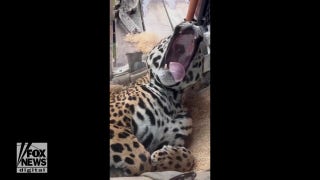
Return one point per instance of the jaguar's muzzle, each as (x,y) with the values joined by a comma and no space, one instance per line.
(182,47)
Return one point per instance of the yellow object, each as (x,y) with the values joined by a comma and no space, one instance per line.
(144,41)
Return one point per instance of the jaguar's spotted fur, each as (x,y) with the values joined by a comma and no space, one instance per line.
(148,124)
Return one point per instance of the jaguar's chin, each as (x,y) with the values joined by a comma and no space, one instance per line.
(177,71)
(166,77)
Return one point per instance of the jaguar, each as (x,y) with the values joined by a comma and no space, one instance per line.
(148,123)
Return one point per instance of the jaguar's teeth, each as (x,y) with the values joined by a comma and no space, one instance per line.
(166,66)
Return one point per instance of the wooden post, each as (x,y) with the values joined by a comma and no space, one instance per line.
(192,8)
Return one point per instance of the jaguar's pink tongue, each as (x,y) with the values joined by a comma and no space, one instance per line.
(177,70)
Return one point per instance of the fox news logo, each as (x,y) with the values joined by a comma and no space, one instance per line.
(32,157)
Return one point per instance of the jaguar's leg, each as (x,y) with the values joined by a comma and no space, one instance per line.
(128,157)
(172,159)
(178,129)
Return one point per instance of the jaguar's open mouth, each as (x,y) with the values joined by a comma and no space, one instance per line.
(181,49)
